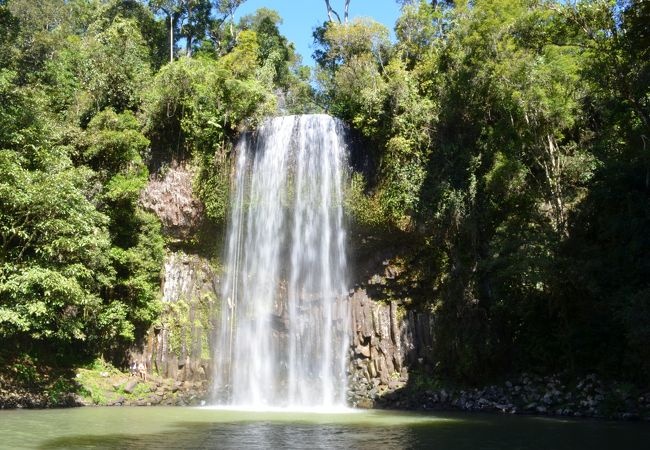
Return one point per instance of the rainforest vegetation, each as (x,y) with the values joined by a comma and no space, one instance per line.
(508,138)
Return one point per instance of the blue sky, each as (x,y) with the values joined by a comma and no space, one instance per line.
(300,17)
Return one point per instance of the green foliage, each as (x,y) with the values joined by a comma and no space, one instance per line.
(195,23)
(95,381)
(195,105)
(154,32)
(506,135)
(114,145)
(212,185)
(85,111)
(115,66)
(19,124)
(24,370)
(8,34)
(273,48)
(367,84)
(138,267)
(365,211)
(101,383)
(53,247)
(56,263)
(59,280)
(186,104)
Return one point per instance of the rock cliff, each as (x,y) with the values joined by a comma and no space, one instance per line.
(179,346)
(387,341)
(386,338)
(169,195)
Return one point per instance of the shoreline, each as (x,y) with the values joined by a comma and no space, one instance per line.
(591,400)
(588,397)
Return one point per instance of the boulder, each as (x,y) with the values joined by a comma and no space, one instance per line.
(130,386)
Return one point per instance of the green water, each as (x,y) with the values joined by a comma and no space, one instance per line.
(198,428)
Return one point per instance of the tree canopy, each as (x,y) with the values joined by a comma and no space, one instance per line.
(512,136)
(91,107)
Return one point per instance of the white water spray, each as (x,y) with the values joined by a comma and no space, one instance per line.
(284,317)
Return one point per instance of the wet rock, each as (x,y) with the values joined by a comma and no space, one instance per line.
(365,403)
(118,402)
(191,280)
(154,399)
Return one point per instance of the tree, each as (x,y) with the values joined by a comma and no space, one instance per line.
(53,262)
(331,13)
(272,46)
(116,67)
(172,9)
(152,30)
(8,34)
(228,8)
(41,27)
(192,105)
(196,22)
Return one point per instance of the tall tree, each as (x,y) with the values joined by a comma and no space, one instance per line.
(172,9)
(195,22)
(228,8)
(331,13)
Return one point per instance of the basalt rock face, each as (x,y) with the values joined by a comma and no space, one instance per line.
(390,338)
(386,342)
(169,195)
(179,345)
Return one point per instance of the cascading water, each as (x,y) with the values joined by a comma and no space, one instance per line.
(284,317)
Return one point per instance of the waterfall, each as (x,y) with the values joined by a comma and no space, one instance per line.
(283,338)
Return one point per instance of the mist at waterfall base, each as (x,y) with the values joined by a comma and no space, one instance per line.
(283,336)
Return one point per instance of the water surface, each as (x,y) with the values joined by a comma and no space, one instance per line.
(204,428)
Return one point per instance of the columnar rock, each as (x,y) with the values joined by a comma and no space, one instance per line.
(180,345)
(387,341)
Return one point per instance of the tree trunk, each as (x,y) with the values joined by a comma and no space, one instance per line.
(188,42)
(553,171)
(171,37)
(331,13)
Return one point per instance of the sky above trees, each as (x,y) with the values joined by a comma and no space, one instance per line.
(299,18)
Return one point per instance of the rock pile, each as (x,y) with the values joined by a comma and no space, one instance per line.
(110,391)
(23,398)
(589,397)
(179,393)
